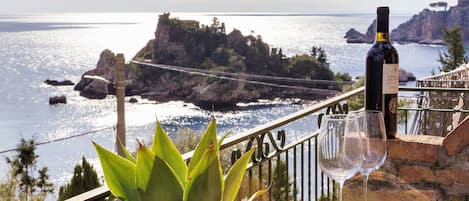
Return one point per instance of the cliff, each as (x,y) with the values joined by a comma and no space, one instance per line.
(188,44)
(423,28)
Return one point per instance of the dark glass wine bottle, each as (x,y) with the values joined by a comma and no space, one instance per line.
(382,74)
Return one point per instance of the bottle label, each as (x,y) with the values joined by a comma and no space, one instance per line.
(390,78)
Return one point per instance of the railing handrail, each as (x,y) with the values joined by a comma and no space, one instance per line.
(464,67)
(440,89)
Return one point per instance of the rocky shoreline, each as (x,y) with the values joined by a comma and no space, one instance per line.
(423,28)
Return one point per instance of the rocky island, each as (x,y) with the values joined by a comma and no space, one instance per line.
(186,43)
(424,28)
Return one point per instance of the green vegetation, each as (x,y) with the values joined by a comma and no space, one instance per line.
(456,54)
(160,173)
(84,179)
(22,183)
(401,114)
(356,102)
(210,48)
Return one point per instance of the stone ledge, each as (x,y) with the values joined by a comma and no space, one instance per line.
(418,174)
(457,139)
(420,148)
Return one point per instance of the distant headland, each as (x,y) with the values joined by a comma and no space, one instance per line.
(423,28)
(189,44)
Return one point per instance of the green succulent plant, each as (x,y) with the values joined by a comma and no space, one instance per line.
(160,173)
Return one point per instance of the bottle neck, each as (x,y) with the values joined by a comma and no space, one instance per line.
(382,28)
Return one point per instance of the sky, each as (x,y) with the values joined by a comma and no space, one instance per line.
(303,6)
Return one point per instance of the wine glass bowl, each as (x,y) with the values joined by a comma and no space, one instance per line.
(339,150)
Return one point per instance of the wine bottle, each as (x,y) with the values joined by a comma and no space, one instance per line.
(382,74)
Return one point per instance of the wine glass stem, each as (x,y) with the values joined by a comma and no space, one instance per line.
(366,186)
(341,186)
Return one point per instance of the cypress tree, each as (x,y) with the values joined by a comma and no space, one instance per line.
(456,54)
(84,179)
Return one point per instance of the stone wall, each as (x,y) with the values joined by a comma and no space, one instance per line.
(420,167)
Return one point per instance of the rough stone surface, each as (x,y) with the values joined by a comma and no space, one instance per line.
(99,82)
(423,162)
(421,148)
(457,139)
(416,174)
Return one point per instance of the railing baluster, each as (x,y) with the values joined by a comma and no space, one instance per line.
(270,179)
(279,178)
(250,181)
(302,172)
(309,169)
(316,171)
(287,179)
(295,190)
(260,177)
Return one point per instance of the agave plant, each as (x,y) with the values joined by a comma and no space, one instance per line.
(160,173)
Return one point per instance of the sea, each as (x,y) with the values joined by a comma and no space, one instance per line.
(59,46)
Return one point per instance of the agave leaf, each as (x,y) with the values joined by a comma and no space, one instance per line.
(205,182)
(164,148)
(224,137)
(209,138)
(145,161)
(119,174)
(235,176)
(127,154)
(163,184)
(258,194)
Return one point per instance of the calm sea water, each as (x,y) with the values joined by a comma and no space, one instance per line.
(34,48)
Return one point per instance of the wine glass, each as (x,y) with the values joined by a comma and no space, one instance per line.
(374,147)
(339,150)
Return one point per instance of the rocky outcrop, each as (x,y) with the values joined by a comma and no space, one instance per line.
(59,83)
(54,100)
(100,82)
(353,36)
(405,76)
(424,28)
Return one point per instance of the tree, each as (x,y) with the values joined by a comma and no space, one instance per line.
(84,179)
(303,66)
(23,166)
(455,55)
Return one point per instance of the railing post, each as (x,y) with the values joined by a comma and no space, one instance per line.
(120,94)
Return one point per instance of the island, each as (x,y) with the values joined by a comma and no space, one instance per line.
(423,28)
(254,69)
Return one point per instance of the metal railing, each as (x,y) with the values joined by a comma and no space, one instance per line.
(281,160)
(436,110)
(286,157)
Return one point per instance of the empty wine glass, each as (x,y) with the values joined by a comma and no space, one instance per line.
(339,150)
(373,143)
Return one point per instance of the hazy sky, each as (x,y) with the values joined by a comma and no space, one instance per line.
(309,6)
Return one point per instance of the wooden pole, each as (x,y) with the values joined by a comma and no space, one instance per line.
(120,94)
